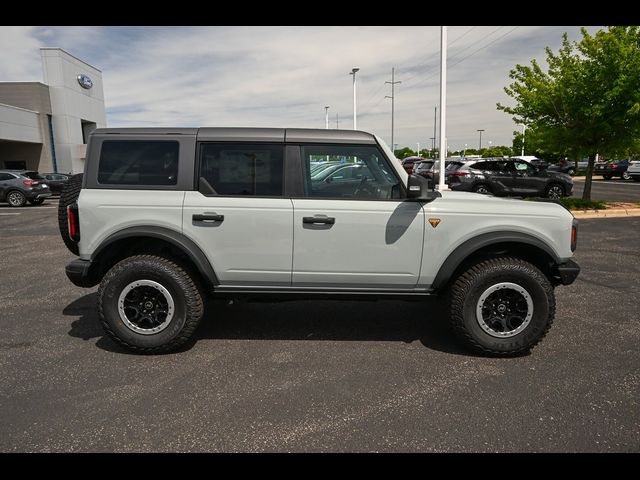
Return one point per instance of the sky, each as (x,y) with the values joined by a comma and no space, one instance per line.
(285,76)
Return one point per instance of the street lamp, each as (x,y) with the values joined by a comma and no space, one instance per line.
(464,154)
(480,130)
(353,72)
(418,149)
(523,129)
(326,117)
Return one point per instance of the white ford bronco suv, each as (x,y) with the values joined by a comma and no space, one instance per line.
(164,218)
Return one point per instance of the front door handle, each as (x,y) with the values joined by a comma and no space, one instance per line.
(319,220)
(207,217)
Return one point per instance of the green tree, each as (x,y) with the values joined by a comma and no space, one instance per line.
(404,153)
(587,102)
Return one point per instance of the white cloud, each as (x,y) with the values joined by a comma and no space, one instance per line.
(284,76)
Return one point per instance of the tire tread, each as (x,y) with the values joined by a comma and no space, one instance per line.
(193,296)
(462,286)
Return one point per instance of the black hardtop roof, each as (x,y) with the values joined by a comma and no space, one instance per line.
(251,134)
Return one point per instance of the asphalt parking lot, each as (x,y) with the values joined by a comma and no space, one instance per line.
(614,190)
(316,376)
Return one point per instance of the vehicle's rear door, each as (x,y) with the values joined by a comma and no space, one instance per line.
(238,214)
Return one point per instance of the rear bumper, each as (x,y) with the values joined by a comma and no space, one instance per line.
(568,272)
(36,195)
(81,274)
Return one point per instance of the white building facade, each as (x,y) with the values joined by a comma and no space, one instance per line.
(45,126)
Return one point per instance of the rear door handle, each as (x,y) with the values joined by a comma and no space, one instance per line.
(319,220)
(207,217)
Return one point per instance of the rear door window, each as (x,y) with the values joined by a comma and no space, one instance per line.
(242,169)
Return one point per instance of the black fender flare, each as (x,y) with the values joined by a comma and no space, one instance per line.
(177,239)
(462,251)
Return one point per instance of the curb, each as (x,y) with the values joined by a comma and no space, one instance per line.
(609,213)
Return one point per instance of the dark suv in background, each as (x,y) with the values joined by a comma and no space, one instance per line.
(508,176)
(19,186)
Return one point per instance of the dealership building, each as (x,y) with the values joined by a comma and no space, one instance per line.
(45,126)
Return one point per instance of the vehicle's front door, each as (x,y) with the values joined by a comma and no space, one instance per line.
(239,216)
(527,179)
(358,235)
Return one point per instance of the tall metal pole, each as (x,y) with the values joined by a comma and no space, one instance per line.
(393,99)
(326,117)
(418,153)
(480,145)
(355,120)
(523,129)
(435,133)
(337,121)
(433,146)
(443,105)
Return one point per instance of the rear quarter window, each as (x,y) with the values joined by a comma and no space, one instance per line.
(134,162)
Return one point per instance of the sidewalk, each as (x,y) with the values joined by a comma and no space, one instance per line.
(612,210)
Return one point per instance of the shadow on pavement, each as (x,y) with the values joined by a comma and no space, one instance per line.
(379,321)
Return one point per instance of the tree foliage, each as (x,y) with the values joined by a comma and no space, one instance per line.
(588,99)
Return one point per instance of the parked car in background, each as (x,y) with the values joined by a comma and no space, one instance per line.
(17,187)
(510,177)
(450,166)
(55,181)
(422,168)
(615,169)
(633,170)
(408,162)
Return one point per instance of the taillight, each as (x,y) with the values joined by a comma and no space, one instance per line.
(28,183)
(458,173)
(574,235)
(73,222)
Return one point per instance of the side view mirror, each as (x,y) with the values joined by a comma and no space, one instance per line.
(418,189)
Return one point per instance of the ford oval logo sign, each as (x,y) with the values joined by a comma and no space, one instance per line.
(85,81)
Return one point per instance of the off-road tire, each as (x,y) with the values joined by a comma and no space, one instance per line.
(69,195)
(186,294)
(468,288)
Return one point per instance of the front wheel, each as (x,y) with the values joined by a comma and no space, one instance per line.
(555,191)
(149,304)
(482,188)
(502,307)
(626,176)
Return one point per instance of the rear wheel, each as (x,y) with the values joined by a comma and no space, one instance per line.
(502,306)
(36,201)
(69,195)
(482,188)
(555,191)
(149,304)
(626,176)
(16,199)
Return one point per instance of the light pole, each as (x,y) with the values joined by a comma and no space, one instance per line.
(443,105)
(418,148)
(523,129)
(433,146)
(326,117)
(480,130)
(464,154)
(355,121)
(392,97)
(337,121)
